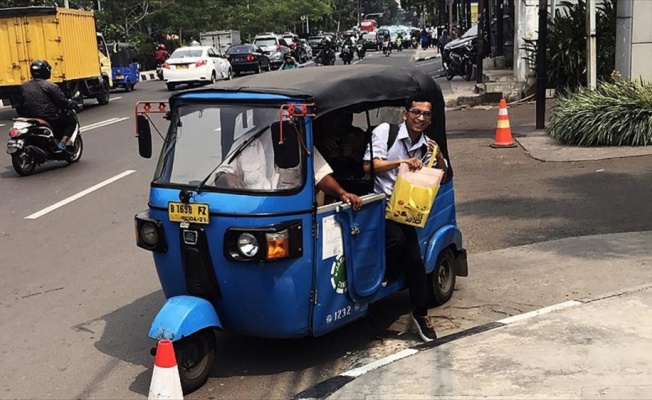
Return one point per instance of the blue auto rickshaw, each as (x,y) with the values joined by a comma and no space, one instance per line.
(124,67)
(240,239)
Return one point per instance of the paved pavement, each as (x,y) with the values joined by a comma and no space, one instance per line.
(593,347)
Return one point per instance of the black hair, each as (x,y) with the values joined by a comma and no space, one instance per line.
(417,98)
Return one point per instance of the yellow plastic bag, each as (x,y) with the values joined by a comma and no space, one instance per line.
(414,194)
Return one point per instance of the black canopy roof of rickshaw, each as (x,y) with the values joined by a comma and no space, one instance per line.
(337,87)
(354,88)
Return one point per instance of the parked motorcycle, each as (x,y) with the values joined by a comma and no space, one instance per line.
(347,54)
(32,143)
(459,59)
(387,48)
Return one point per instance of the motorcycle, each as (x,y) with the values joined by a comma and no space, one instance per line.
(326,57)
(387,48)
(32,143)
(347,54)
(459,60)
(360,51)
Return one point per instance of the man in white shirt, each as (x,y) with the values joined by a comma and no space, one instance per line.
(402,250)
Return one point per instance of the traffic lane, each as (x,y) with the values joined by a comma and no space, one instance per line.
(108,151)
(64,277)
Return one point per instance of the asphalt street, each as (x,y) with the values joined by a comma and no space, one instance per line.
(77,296)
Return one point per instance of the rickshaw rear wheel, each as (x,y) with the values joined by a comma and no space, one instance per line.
(195,357)
(129,87)
(441,280)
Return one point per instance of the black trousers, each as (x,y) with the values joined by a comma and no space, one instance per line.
(403,256)
(63,126)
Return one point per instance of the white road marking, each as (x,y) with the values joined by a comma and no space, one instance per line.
(540,311)
(115,98)
(354,373)
(2,124)
(79,195)
(103,123)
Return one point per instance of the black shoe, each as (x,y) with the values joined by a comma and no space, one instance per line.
(424,327)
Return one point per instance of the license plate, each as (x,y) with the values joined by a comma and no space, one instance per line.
(182,66)
(14,145)
(196,213)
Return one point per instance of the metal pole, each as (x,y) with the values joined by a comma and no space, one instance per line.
(308,24)
(99,5)
(66,4)
(500,40)
(591,49)
(542,81)
(450,18)
(481,43)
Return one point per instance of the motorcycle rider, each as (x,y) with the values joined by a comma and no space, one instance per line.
(161,54)
(326,52)
(348,42)
(45,100)
(289,62)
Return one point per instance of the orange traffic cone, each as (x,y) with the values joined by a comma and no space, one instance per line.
(166,383)
(503,131)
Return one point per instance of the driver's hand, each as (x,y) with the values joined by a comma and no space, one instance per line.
(228,180)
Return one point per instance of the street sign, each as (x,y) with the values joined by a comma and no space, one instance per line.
(449,2)
(303,18)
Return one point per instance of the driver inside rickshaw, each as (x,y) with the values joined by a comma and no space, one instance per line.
(253,169)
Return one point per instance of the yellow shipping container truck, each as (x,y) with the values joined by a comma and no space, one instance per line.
(66,38)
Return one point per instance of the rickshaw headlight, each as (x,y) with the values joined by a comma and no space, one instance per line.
(149,234)
(248,245)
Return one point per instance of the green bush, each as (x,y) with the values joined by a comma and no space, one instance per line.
(566,45)
(614,114)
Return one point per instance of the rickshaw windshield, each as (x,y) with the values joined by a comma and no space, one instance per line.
(229,146)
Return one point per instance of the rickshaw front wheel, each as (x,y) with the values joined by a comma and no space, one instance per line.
(195,357)
(441,280)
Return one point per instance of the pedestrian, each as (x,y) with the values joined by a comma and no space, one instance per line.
(402,249)
(425,39)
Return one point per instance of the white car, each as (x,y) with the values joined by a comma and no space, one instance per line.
(195,64)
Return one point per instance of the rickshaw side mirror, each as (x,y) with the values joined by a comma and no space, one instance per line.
(144,132)
(286,148)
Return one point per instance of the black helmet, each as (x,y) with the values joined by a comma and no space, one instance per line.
(40,69)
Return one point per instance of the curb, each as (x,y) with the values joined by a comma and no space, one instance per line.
(328,387)
(148,75)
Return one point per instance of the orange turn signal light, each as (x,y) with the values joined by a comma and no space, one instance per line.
(278,245)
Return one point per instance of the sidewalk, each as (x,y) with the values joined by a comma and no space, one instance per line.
(595,347)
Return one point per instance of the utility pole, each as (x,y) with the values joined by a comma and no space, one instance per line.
(542,81)
(591,49)
(66,4)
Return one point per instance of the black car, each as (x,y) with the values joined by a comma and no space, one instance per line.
(370,41)
(316,43)
(247,58)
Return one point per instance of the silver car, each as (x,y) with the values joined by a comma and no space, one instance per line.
(274,47)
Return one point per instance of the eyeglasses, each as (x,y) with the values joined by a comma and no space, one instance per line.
(419,113)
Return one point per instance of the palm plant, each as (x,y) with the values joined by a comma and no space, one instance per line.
(616,113)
